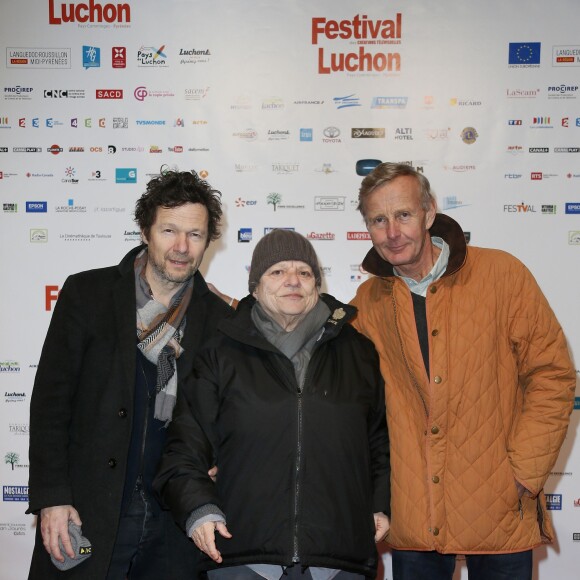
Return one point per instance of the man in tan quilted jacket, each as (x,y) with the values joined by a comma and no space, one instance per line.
(479,386)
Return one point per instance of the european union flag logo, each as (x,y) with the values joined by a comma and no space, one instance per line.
(524,53)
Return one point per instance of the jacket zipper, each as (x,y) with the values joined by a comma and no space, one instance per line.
(295,557)
(145,425)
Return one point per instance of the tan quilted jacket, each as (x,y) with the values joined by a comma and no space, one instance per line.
(494,410)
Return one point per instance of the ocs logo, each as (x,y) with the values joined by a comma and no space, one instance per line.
(140,93)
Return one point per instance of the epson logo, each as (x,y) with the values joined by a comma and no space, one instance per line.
(36,206)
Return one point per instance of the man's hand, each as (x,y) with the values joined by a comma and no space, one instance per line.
(213,473)
(204,538)
(54,525)
(382,526)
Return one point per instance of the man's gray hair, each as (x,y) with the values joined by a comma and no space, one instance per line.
(387,172)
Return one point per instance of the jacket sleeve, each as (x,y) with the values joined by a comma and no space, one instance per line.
(546,377)
(379,440)
(182,480)
(52,402)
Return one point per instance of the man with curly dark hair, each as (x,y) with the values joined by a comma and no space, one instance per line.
(120,339)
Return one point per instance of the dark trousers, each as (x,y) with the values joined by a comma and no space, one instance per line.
(409,565)
(149,546)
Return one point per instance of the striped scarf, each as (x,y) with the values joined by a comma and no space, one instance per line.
(159,331)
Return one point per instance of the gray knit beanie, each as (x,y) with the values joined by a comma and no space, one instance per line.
(80,545)
(280,246)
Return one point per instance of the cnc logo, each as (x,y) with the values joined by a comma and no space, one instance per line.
(109,93)
(93,12)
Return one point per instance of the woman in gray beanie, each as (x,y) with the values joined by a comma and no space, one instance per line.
(288,402)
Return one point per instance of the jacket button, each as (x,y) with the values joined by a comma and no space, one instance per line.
(112,463)
(435,430)
(122,413)
(433,289)
(434,332)
(435,479)
(437,379)
(435,531)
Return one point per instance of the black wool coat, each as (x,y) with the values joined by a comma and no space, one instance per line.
(81,410)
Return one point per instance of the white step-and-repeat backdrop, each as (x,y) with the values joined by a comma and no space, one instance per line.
(276,102)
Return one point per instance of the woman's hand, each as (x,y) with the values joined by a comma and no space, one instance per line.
(382,526)
(204,538)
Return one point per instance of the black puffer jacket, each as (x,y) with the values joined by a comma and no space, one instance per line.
(300,474)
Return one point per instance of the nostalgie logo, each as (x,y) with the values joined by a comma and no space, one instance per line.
(363,32)
(524,54)
(15,492)
(93,12)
